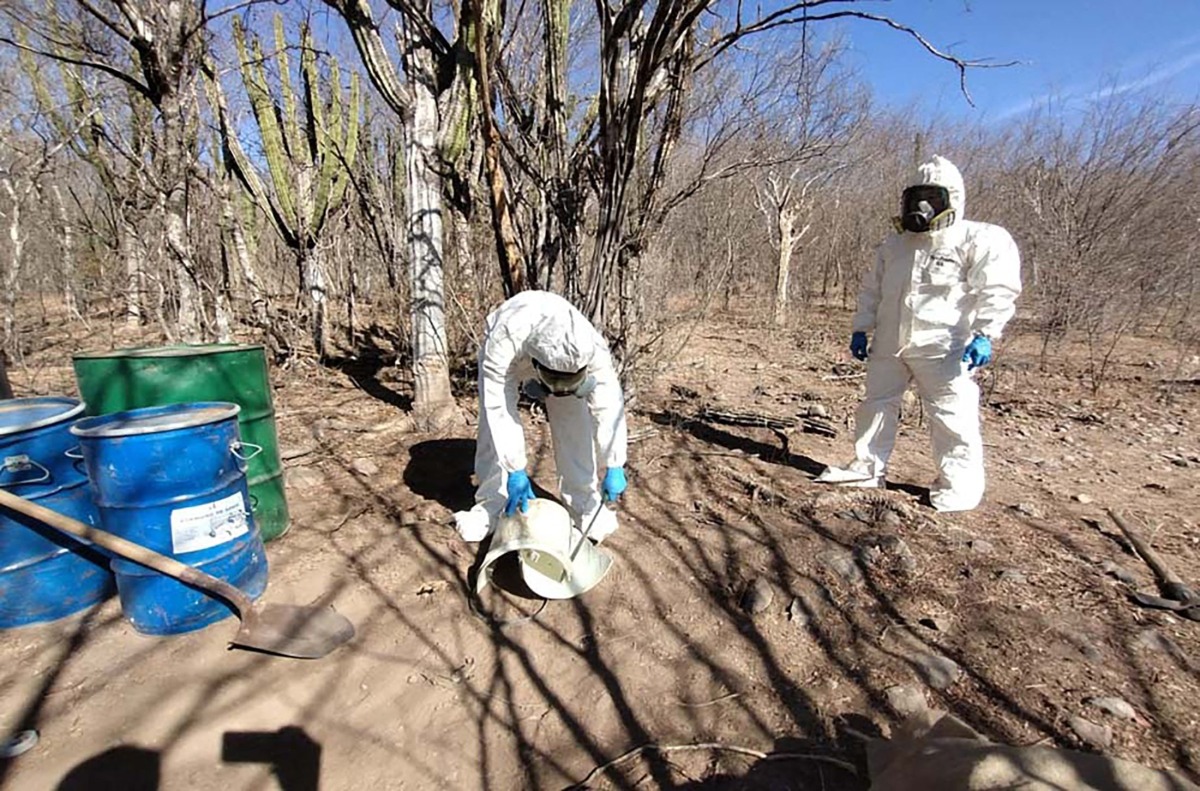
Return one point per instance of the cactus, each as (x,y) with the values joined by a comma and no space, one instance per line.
(308,150)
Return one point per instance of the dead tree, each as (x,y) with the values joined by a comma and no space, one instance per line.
(161,44)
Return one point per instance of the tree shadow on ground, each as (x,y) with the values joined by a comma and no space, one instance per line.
(364,366)
(708,433)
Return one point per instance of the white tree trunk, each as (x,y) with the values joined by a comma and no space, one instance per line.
(787,243)
(241,252)
(16,256)
(312,273)
(188,317)
(432,397)
(66,242)
(133,253)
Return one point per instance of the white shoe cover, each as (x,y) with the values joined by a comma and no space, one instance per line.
(474,525)
(846,476)
(605,526)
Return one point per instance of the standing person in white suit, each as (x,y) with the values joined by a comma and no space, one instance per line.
(539,342)
(938,297)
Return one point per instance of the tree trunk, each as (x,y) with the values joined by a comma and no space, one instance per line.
(66,242)
(432,397)
(134,255)
(173,204)
(16,255)
(314,281)
(234,243)
(188,316)
(6,390)
(787,242)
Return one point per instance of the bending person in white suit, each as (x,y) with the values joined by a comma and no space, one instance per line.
(540,342)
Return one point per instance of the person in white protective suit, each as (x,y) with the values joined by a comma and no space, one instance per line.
(938,297)
(539,342)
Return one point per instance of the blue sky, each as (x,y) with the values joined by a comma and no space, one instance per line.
(1069,49)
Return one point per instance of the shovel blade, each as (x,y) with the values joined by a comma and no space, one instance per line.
(293,630)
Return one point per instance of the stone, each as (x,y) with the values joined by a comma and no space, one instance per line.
(818,410)
(980,546)
(797,614)
(757,596)
(1085,499)
(1119,572)
(408,519)
(1099,736)
(1118,707)
(891,519)
(1083,644)
(905,561)
(364,467)
(907,701)
(302,478)
(1028,509)
(842,564)
(1013,576)
(871,554)
(938,672)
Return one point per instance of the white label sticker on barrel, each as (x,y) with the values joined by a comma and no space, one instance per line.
(200,527)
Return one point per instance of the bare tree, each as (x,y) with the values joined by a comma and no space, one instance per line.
(434,140)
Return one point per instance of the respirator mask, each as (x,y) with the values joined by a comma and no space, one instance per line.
(565,383)
(924,208)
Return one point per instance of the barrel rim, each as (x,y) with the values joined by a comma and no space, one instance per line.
(169,351)
(77,408)
(99,427)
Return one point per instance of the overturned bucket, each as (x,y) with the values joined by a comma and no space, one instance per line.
(545,539)
(44,574)
(173,479)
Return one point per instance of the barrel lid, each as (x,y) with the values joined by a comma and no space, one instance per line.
(178,350)
(155,419)
(24,414)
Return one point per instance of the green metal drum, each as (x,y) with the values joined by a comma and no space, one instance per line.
(157,376)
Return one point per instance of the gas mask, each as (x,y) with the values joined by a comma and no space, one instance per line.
(924,208)
(565,383)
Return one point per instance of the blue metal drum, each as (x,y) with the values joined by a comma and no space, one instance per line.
(45,574)
(173,479)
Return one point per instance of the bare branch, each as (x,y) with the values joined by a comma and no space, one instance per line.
(786,17)
(106,20)
(128,79)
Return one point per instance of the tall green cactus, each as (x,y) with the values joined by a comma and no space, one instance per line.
(309,148)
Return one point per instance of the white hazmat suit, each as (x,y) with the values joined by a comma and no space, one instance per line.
(927,296)
(587,431)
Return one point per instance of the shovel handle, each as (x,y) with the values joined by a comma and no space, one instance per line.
(1167,577)
(128,550)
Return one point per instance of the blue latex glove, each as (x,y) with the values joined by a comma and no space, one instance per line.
(520,492)
(614,483)
(978,353)
(858,345)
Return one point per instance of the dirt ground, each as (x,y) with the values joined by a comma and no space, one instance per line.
(1009,617)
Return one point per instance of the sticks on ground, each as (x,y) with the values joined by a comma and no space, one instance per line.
(664,749)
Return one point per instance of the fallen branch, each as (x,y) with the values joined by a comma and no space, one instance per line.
(729,417)
(712,702)
(756,488)
(665,749)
